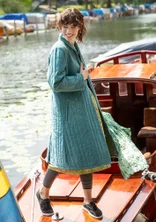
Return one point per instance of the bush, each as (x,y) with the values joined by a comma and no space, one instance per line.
(13,6)
(1,12)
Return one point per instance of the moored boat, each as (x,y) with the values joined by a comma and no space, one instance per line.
(127,47)
(7,29)
(2,30)
(131,100)
(14,23)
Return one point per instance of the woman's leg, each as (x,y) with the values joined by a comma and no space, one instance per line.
(43,193)
(87,180)
(47,182)
(89,206)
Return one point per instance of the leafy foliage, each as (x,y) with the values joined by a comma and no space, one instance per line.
(15,6)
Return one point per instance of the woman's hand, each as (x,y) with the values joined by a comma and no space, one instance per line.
(84,72)
(90,67)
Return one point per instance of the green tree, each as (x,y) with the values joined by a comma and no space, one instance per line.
(15,6)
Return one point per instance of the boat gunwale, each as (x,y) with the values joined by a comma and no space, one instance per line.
(124,79)
(116,58)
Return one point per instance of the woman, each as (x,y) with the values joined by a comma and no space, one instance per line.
(77,142)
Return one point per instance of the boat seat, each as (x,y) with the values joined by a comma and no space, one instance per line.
(149,130)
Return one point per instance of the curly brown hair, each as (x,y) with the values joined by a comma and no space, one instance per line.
(73,16)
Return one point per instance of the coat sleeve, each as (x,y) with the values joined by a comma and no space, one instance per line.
(57,76)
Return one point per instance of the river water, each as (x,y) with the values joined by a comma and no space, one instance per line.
(25,94)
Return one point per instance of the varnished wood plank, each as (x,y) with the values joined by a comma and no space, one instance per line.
(118,195)
(138,202)
(115,198)
(63,186)
(125,72)
(85,217)
(147,210)
(97,71)
(70,211)
(22,186)
(100,182)
(45,219)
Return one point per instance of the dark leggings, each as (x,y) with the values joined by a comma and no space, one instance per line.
(50,176)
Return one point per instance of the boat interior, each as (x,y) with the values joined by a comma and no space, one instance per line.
(128,93)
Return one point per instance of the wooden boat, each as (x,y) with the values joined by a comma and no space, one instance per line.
(19,25)
(131,99)
(7,29)
(127,47)
(2,31)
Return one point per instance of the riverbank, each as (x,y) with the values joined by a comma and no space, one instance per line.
(25,23)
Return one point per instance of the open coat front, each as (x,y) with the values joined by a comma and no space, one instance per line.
(77,141)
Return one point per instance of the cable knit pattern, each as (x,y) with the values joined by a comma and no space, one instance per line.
(77,141)
(90,170)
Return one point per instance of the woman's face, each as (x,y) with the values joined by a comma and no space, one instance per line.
(70,32)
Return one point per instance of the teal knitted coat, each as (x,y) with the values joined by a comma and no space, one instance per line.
(77,141)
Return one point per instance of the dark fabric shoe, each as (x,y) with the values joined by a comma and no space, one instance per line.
(93,210)
(45,205)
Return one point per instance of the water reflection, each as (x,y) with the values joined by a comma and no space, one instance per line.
(25,94)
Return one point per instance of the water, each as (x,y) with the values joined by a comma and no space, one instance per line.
(25,94)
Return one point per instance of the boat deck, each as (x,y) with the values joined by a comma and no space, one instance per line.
(125,72)
(113,194)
